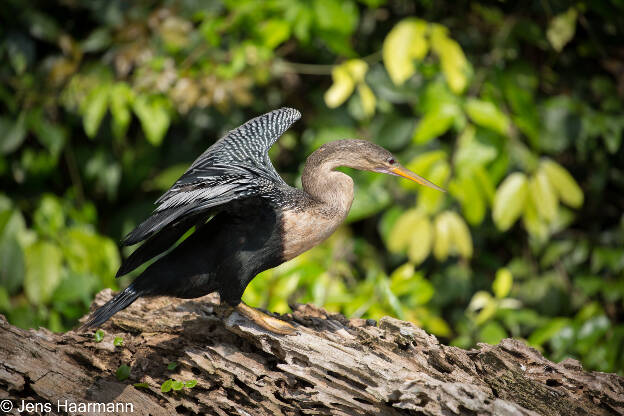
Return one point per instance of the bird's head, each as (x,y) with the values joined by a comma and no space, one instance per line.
(364,155)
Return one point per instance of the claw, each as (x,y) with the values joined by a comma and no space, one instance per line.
(265,321)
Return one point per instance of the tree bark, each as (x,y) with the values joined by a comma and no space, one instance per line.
(332,365)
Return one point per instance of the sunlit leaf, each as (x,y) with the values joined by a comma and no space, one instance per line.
(454,63)
(43,271)
(434,124)
(94,109)
(421,241)
(509,200)
(548,331)
(443,237)
(544,197)
(402,232)
(561,29)
(502,283)
(486,114)
(460,234)
(121,97)
(492,333)
(405,43)
(153,112)
(336,15)
(274,31)
(341,89)
(367,97)
(567,189)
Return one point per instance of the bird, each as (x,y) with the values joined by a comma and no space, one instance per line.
(246,218)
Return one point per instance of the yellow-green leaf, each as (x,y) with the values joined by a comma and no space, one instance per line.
(94,109)
(564,184)
(153,112)
(502,283)
(405,43)
(357,68)
(422,237)
(367,97)
(442,239)
(402,232)
(43,271)
(434,123)
(341,89)
(452,59)
(486,114)
(544,197)
(509,200)
(460,234)
(561,29)
(535,225)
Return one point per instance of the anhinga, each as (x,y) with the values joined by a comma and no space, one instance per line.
(247,218)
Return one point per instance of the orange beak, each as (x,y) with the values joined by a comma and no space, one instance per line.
(408,174)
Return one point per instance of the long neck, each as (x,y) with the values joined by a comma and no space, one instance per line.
(325,185)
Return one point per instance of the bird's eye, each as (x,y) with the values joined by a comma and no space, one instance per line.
(391,161)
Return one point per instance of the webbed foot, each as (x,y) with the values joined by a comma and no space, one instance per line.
(265,321)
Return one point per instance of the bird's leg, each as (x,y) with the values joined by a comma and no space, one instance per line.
(265,321)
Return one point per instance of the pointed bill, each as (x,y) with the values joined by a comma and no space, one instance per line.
(408,174)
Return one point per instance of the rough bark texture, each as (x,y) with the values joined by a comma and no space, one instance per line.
(333,365)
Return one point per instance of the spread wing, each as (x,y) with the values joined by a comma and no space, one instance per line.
(237,166)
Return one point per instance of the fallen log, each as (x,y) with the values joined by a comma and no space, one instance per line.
(332,365)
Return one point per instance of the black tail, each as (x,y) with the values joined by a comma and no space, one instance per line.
(119,302)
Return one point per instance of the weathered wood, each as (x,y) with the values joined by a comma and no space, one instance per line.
(333,365)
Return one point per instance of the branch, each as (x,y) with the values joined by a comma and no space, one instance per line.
(332,366)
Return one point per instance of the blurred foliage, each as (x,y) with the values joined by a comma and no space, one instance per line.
(515,108)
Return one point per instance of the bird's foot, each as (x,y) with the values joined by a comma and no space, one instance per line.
(265,321)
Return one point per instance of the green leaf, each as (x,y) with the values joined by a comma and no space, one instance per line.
(172,365)
(166,386)
(12,267)
(43,271)
(121,97)
(544,197)
(94,109)
(336,15)
(402,231)
(177,385)
(118,341)
(434,124)
(98,335)
(547,331)
(567,189)
(273,32)
(442,240)
(492,333)
(561,29)
(467,191)
(405,43)
(454,63)
(367,97)
(341,89)
(486,114)
(123,372)
(141,385)
(502,283)
(153,112)
(12,133)
(460,234)
(190,384)
(509,200)
(421,241)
